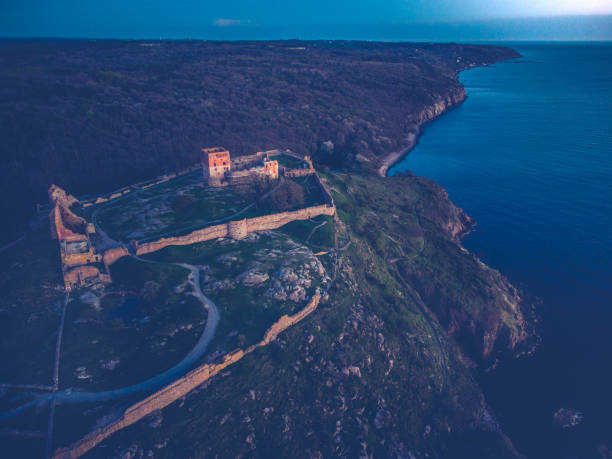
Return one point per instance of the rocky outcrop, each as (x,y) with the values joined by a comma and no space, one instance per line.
(81,274)
(252,277)
(454,98)
(486,314)
(436,206)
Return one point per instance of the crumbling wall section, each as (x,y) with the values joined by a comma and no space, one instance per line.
(246,161)
(237,229)
(201,235)
(81,275)
(112,255)
(139,186)
(59,230)
(67,228)
(295,173)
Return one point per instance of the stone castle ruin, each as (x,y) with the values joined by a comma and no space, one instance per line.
(82,265)
(220,170)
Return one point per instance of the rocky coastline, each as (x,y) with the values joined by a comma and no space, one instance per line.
(423,117)
(427,115)
(495,339)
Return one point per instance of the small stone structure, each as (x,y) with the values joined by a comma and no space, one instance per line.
(215,165)
(303,171)
(219,170)
(238,230)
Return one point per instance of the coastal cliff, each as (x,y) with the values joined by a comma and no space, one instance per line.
(484,312)
(429,113)
(476,305)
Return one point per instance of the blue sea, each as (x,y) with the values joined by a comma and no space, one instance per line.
(529,157)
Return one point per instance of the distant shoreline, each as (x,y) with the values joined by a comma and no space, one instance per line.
(391,159)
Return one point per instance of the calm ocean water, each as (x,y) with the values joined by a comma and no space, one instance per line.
(529,156)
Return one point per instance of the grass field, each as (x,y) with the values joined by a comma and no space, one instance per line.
(30,309)
(184,202)
(121,338)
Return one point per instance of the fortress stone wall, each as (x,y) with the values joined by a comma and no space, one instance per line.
(237,229)
(112,255)
(246,161)
(301,172)
(180,387)
(201,235)
(295,173)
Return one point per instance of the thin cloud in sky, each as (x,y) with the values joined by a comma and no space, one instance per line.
(223,22)
(312,18)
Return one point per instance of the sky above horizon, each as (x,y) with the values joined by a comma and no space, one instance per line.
(239,18)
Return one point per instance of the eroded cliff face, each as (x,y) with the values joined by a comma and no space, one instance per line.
(456,95)
(420,231)
(436,206)
(477,304)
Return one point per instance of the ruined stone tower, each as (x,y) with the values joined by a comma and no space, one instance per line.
(238,229)
(215,163)
(270,168)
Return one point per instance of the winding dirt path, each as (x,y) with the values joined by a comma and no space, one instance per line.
(69,395)
(314,229)
(58,344)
